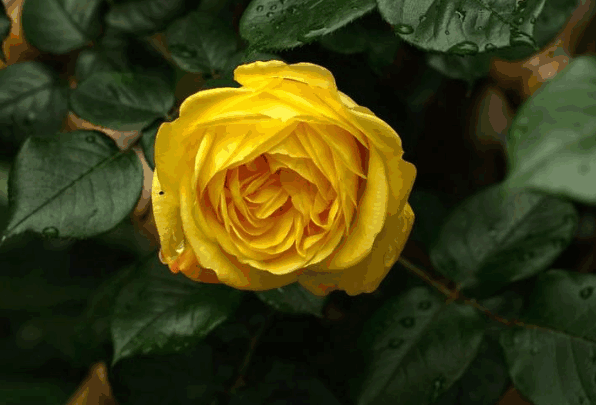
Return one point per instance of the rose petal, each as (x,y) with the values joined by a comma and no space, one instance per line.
(256,74)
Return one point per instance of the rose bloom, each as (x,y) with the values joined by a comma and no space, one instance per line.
(284,179)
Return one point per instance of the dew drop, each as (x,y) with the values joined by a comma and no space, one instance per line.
(390,256)
(464,48)
(519,38)
(586,292)
(446,32)
(50,232)
(489,47)
(273,7)
(161,257)
(259,8)
(519,20)
(396,343)
(533,20)
(90,139)
(424,305)
(583,169)
(183,51)
(407,322)
(422,18)
(479,28)
(404,29)
(269,14)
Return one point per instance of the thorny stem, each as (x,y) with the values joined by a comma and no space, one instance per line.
(453,295)
(239,383)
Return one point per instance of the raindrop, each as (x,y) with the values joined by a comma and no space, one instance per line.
(586,292)
(259,8)
(424,305)
(519,38)
(422,18)
(461,14)
(583,169)
(90,139)
(404,29)
(446,32)
(533,20)
(269,14)
(390,256)
(489,47)
(520,20)
(464,48)
(407,322)
(50,232)
(161,257)
(520,6)
(183,51)
(273,7)
(479,28)
(396,343)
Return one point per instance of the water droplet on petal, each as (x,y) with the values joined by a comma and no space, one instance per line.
(404,29)
(390,256)
(407,322)
(489,47)
(50,232)
(180,247)
(396,343)
(162,259)
(424,305)
(464,48)
(259,8)
(586,292)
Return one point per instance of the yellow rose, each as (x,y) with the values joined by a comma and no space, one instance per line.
(285,179)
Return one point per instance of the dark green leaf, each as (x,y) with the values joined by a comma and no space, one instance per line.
(201,43)
(161,312)
(76,184)
(551,145)
(5,25)
(494,238)
(555,364)
(469,68)
(148,142)
(32,101)
(350,39)
(382,48)
(275,24)
(217,83)
(122,101)
(293,298)
(59,26)
(418,347)
(31,392)
(144,16)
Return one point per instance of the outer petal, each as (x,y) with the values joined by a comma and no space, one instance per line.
(366,275)
(257,73)
(370,217)
(210,256)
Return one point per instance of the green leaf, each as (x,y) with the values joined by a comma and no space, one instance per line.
(554,364)
(5,25)
(59,26)
(148,142)
(201,43)
(275,24)
(350,39)
(418,347)
(469,68)
(551,146)
(144,16)
(32,101)
(30,392)
(382,50)
(160,312)
(76,184)
(494,238)
(218,83)
(122,101)
(293,298)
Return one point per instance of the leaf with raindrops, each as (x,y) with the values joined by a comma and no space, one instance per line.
(281,24)
(417,347)
(32,101)
(122,101)
(60,26)
(5,25)
(551,145)
(496,237)
(161,312)
(145,16)
(76,184)
(556,362)
(293,298)
(468,28)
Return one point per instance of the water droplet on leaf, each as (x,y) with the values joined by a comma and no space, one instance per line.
(519,20)
(464,48)
(586,292)
(269,14)
(273,7)
(533,20)
(50,232)
(422,18)
(259,8)
(446,32)
(407,322)
(479,28)
(424,305)
(404,29)
(520,38)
